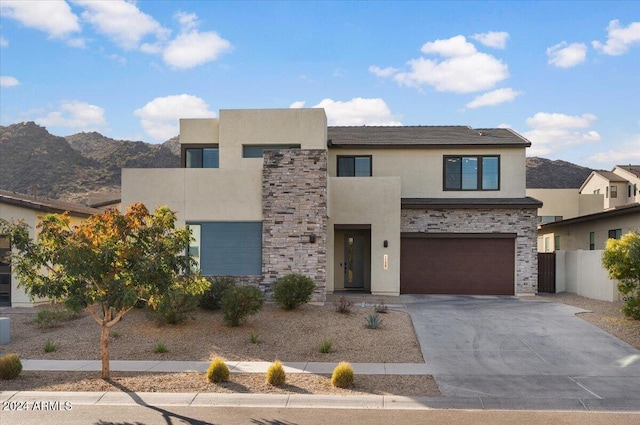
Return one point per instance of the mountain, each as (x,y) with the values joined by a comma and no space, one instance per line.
(81,168)
(544,173)
(86,167)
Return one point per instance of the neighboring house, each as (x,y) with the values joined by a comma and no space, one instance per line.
(383,210)
(619,186)
(17,206)
(561,204)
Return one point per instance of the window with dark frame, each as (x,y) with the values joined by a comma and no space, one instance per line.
(473,172)
(614,191)
(592,241)
(200,157)
(257,151)
(354,166)
(615,233)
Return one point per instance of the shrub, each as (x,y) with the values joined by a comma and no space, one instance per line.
(173,307)
(254,336)
(293,290)
(49,347)
(74,307)
(51,318)
(275,374)
(239,302)
(373,321)
(160,348)
(218,371)
(344,305)
(621,258)
(325,346)
(115,334)
(342,376)
(381,307)
(10,366)
(212,298)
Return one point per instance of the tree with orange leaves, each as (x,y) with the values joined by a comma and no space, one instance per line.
(106,264)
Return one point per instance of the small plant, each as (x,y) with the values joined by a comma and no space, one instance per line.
(293,290)
(254,336)
(325,346)
(381,307)
(10,366)
(51,318)
(212,298)
(115,334)
(275,374)
(344,305)
(373,321)
(342,376)
(239,302)
(172,309)
(218,371)
(160,348)
(49,347)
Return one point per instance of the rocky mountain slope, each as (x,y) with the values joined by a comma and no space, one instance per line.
(85,167)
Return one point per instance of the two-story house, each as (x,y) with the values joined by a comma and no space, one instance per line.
(384,210)
(619,186)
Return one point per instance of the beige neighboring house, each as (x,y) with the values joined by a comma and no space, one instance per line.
(619,186)
(17,206)
(380,210)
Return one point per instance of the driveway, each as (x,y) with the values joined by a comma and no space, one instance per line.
(499,348)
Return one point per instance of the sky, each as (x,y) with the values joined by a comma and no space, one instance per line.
(565,75)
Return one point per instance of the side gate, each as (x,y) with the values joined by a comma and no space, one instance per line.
(547,272)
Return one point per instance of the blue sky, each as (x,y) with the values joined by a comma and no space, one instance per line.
(566,75)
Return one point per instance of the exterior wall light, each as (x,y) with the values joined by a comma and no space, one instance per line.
(385,244)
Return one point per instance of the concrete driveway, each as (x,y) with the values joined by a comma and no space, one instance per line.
(510,350)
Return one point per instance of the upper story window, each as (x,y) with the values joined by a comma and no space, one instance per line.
(200,157)
(615,233)
(257,151)
(614,191)
(592,241)
(471,172)
(354,166)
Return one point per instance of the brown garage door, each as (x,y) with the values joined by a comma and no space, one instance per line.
(467,266)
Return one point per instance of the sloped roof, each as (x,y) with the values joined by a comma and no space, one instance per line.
(45,205)
(621,210)
(612,177)
(633,169)
(423,136)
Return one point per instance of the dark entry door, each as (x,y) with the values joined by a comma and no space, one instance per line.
(354,260)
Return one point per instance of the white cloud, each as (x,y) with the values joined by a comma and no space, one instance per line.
(495,39)
(122,22)
(552,132)
(188,21)
(619,39)
(297,105)
(383,72)
(628,153)
(504,125)
(53,17)
(4,42)
(494,97)
(357,111)
(464,69)
(195,48)
(7,81)
(160,117)
(565,55)
(75,114)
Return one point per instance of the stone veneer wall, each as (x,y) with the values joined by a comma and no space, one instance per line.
(522,222)
(294,207)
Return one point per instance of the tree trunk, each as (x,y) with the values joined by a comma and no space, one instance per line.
(104,345)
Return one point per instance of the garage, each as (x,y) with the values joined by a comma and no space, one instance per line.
(457,264)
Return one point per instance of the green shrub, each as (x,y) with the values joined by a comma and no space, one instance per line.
(212,298)
(631,308)
(174,307)
(10,366)
(160,348)
(275,374)
(74,307)
(218,371)
(293,290)
(49,347)
(51,318)
(342,376)
(239,302)
(254,336)
(344,305)
(325,346)
(373,321)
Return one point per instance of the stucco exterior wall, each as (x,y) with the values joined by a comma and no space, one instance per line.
(522,222)
(367,201)
(421,170)
(199,131)
(580,272)
(567,203)
(198,194)
(598,182)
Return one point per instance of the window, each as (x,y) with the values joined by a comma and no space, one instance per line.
(606,194)
(556,243)
(629,190)
(592,241)
(615,233)
(596,192)
(354,166)
(5,272)
(471,173)
(614,191)
(200,157)
(257,151)
(549,218)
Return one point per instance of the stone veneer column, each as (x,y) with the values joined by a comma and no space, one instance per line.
(294,210)
(522,222)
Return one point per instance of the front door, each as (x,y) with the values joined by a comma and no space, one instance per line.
(354,260)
